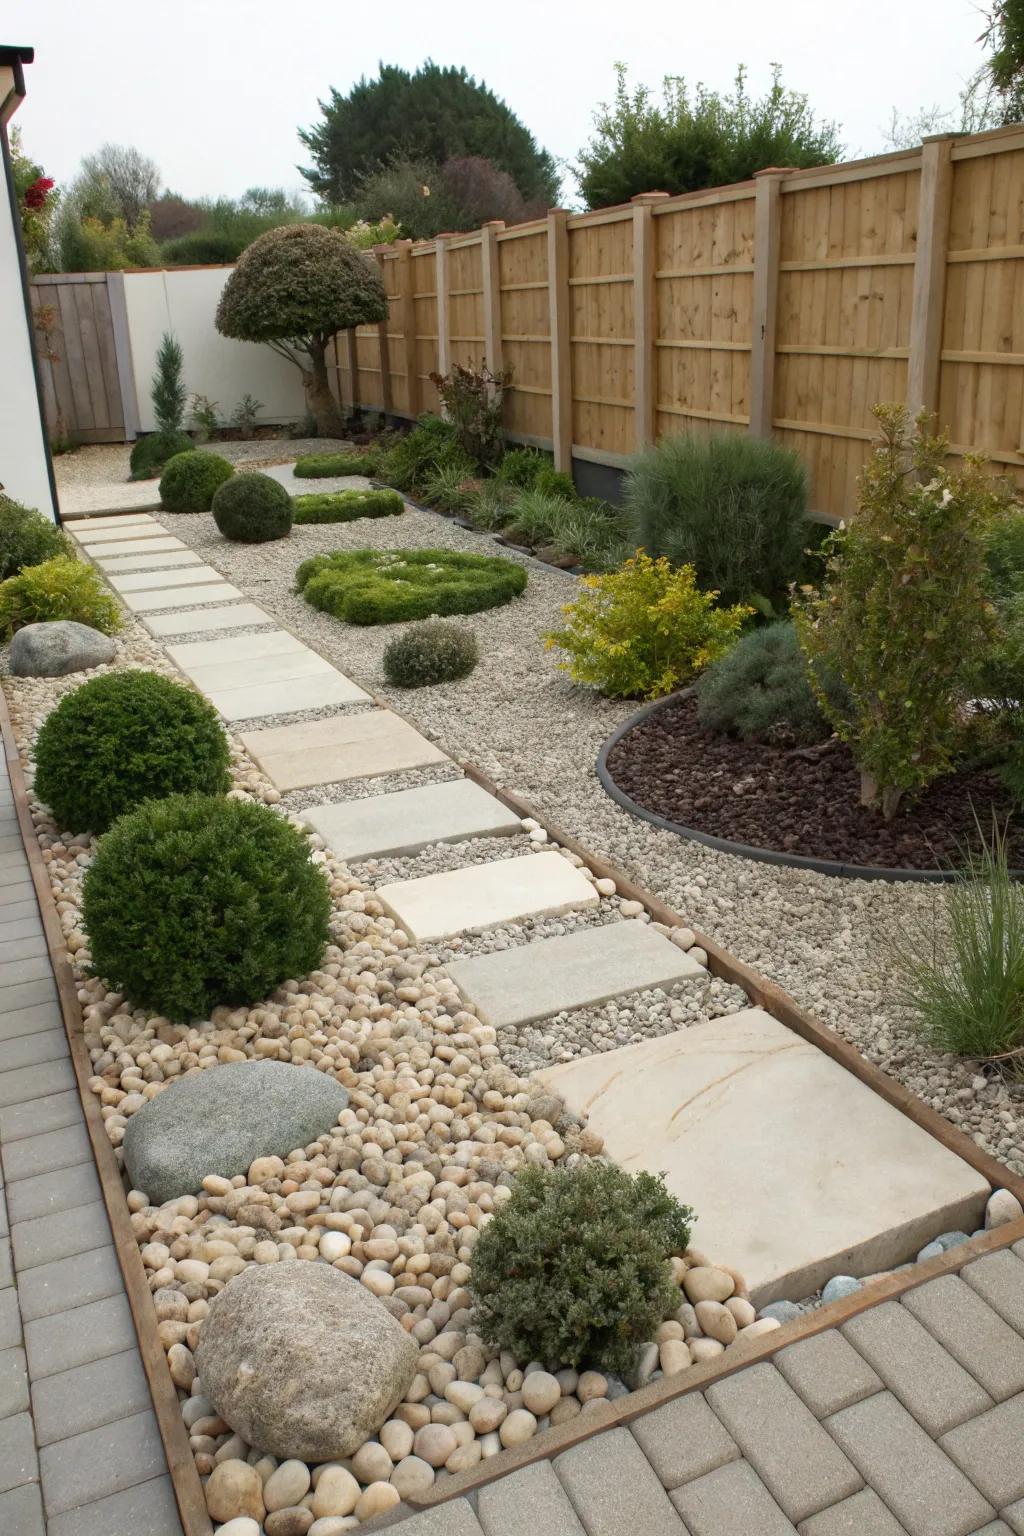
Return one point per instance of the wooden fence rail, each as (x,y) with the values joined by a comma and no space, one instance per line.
(784,306)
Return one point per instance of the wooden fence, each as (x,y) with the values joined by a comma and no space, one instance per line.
(787,305)
(84,355)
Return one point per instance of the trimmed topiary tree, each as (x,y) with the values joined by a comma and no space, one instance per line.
(293,288)
(193,901)
(574,1268)
(369,586)
(27,537)
(190,480)
(252,509)
(150,453)
(124,738)
(430,653)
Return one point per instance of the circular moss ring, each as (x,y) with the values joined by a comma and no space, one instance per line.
(744,850)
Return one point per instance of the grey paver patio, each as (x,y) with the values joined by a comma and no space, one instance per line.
(315,691)
(532,1498)
(683,1440)
(863,1514)
(188,654)
(162,580)
(90,1332)
(827,1373)
(732,1501)
(614,1488)
(253,671)
(972,1332)
(990,1450)
(999,1279)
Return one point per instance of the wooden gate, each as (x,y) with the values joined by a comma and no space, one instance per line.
(81,338)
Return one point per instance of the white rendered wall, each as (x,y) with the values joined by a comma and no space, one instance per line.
(185,303)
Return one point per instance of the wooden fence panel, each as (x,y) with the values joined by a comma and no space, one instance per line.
(526,330)
(424,288)
(79,358)
(466,340)
(601,335)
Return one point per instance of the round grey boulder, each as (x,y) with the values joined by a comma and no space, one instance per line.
(302,1361)
(220,1119)
(60,646)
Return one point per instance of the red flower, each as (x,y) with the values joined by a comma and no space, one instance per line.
(37,193)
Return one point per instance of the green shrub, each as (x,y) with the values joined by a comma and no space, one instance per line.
(960,969)
(589,531)
(167,388)
(27,537)
(734,507)
(345,506)
(760,691)
(431,445)
(521,466)
(325,466)
(574,1268)
(150,453)
(472,400)
(368,586)
(195,901)
(1004,555)
(555,482)
(903,617)
(252,509)
(61,588)
(430,653)
(450,486)
(644,630)
(201,248)
(124,738)
(190,480)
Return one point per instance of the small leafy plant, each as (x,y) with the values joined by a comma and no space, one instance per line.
(430,653)
(191,480)
(204,417)
(61,588)
(574,1268)
(433,444)
(472,399)
(346,506)
(252,509)
(27,537)
(644,630)
(243,417)
(367,586)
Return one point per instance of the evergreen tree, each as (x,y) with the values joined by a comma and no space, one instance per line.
(435,114)
(167,390)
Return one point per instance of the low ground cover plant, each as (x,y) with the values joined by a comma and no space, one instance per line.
(190,480)
(434,652)
(195,901)
(324,466)
(644,630)
(734,507)
(368,586)
(574,1268)
(61,588)
(124,738)
(346,506)
(760,690)
(27,537)
(252,509)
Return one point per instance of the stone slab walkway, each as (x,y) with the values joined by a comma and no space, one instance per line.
(80,1452)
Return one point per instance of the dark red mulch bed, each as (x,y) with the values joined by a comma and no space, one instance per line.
(768,798)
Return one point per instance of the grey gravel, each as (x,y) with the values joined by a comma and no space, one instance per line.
(364,789)
(297,716)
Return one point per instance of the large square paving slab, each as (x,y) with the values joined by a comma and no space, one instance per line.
(152,581)
(483,895)
(316,691)
(202,621)
(251,671)
(533,981)
(356,746)
(180,597)
(797,1170)
(409,819)
(188,654)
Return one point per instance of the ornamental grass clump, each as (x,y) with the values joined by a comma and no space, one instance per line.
(346,506)
(574,1268)
(191,480)
(367,586)
(27,537)
(644,630)
(430,653)
(252,509)
(326,466)
(124,738)
(61,588)
(192,902)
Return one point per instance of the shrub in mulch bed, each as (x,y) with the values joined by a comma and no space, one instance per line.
(346,506)
(799,801)
(367,586)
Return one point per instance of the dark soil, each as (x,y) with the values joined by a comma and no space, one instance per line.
(768,797)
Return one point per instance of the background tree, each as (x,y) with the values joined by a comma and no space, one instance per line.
(427,199)
(133,179)
(36,199)
(1004,36)
(293,288)
(699,139)
(435,114)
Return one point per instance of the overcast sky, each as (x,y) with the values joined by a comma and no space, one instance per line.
(214,90)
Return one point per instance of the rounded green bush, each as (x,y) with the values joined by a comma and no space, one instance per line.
(430,653)
(193,901)
(574,1268)
(346,506)
(61,588)
(151,453)
(326,466)
(521,466)
(760,690)
(27,537)
(124,738)
(367,586)
(190,480)
(252,509)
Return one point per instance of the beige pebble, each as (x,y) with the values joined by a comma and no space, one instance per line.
(674,1356)
(337,1492)
(330,1525)
(234,1488)
(716,1321)
(241,1525)
(375,1499)
(411,1476)
(704,1283)
(704,1349)
(742,1311)
(396,1438)
(182,1366)
(434,1443)
(288,1485)
(541,1392)
(591,1384)
(372,1464)
(334,1245)
(762,1326)
(464,1394)
(487,1414)
(518,1427)
(464,1457)
(565,1409)
(294,1520)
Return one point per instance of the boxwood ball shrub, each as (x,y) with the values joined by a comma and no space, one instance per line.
(429,653)
(346,506)
(190,480)
(367,586)
(150,453)
(252,509)
(325,466)
(733,507)
(574,1268)
(194,901)
(61,588)
(760,690)
(124,738)
(27,537)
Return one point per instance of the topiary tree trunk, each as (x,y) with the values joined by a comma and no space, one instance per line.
(320,402)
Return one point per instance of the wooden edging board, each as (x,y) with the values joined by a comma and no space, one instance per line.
(188,1490)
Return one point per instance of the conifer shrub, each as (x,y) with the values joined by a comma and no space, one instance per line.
(367,586)
(252,509)
(27,537)
(61,588)
(124,738)
(346,506)
(195,901)
(190,480)
(574,1268)
(430,653)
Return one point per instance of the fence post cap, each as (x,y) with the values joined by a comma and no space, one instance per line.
(649,197)
(776,170)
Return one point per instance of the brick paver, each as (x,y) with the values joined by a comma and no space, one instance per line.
(732,1501)
(990,1450)
(827,1373)
(684,1440)
(863,1514)
(614,1488)
(532,1499)
(915,1367)
(974,1334)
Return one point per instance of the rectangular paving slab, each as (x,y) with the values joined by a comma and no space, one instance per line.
(204,621)
(81,525)
(344,747)
(483,895)
(533,981)
(152,581)
(148,544)
(180,597)
(254,671)
(409,819)
(93,537)
(204,653)
(284,697)
(742,1114)
(171,559)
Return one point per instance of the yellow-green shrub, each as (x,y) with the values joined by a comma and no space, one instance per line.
(644,630)
(62,588)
